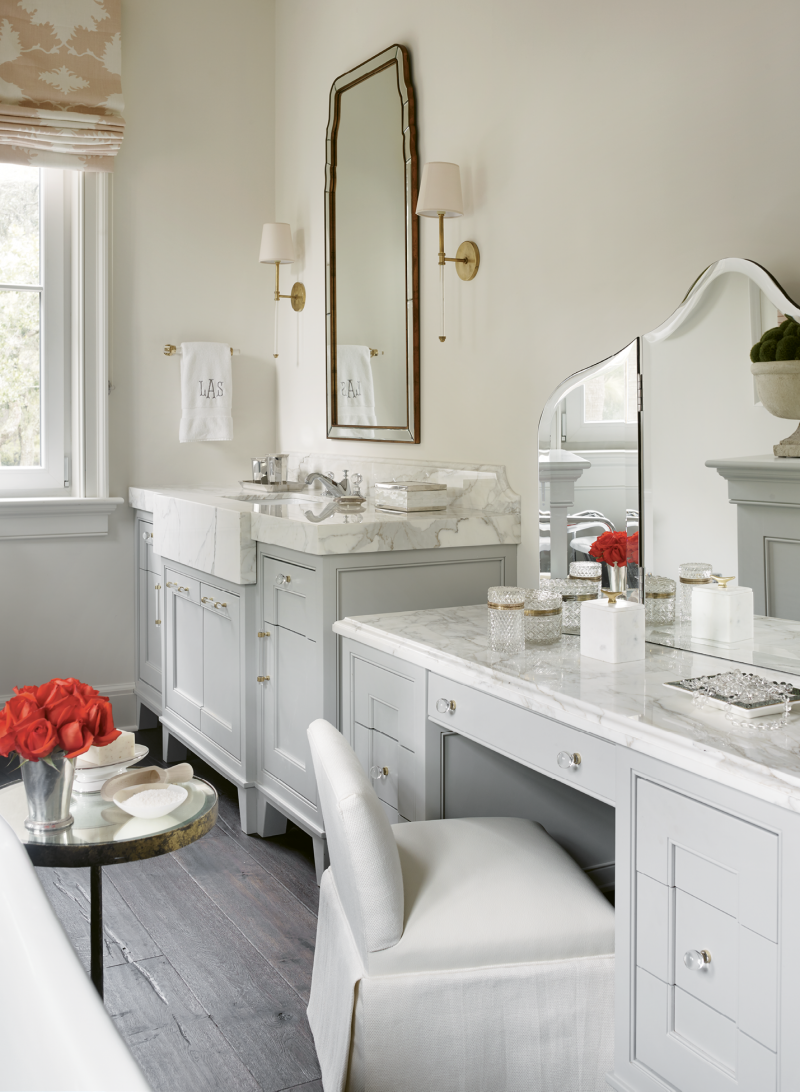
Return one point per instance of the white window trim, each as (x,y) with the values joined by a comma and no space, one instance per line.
(86,511)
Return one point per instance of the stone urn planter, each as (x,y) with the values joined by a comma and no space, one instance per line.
(778,384)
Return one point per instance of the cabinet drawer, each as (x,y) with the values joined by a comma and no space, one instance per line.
(384,701)
(146,557)
(527,737)
(183,586)
(289,595)
(721,859)
(395,789)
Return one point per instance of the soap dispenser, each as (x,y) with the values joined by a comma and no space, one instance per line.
(722,614)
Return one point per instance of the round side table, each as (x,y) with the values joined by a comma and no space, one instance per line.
(104,834)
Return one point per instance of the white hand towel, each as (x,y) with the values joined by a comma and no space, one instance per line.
(206,391)
(356,401)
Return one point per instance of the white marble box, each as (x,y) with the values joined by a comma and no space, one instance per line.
(722,615)
(614,634)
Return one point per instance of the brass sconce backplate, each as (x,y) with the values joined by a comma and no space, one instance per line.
(468,260)
(298,296)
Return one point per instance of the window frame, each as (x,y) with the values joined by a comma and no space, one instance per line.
(49,507)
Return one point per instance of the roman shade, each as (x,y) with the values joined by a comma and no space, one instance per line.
(60,83)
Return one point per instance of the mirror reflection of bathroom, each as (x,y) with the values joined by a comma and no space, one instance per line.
(589,467)
(713,489)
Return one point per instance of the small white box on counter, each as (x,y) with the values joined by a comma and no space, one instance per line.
(410,496)
(722,615)
(614,634)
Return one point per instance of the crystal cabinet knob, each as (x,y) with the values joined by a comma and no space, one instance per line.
(284,579)
(147,535)
(262,678)
(697,960)
(378,773)
(443,705)
(568,760)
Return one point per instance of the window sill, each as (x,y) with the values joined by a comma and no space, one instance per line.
(55,517)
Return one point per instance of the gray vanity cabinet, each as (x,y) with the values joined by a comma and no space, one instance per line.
(148,618)
(302,595)
(707,950)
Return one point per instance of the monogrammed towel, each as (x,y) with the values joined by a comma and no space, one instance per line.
(356,401)
(206,391)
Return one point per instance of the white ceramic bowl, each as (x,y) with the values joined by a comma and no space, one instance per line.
(129,800)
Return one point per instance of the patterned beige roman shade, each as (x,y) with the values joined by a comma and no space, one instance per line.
(60,83)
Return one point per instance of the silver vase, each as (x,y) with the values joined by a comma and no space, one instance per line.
(48,786)
(617,578)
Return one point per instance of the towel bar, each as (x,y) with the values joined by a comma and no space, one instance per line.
(173,350)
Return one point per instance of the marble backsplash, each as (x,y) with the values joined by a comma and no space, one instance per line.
(479,486)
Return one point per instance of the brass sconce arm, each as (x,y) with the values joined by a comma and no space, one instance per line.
(297,294)
(468,257)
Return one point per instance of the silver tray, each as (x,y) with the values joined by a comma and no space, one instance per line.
(744,709)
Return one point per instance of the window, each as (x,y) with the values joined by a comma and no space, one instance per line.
(34,328)
(54,263)
(602,411)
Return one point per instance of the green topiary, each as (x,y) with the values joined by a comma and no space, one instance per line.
(787,348)
(780,343)
(768,349)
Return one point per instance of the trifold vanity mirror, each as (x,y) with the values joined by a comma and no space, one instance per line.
(372,279)
(671,441)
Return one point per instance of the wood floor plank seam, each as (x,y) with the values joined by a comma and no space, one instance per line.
(241,933)
(223,826)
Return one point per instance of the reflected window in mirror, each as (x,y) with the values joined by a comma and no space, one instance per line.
(372,320)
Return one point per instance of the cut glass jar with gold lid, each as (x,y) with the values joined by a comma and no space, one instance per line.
(659,600)
(505,608)
(573,594)
(543,612)
(691,574)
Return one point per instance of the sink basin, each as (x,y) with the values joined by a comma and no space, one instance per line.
(273,498)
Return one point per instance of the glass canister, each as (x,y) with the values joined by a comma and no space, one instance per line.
(659,600)
(543,609)
(691,573)
(586,570)
(506,608)
(573,593)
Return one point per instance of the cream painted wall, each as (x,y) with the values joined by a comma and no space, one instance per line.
(192,186)
(608,152)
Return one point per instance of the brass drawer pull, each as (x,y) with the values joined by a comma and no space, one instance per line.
(220,604)
(262,678)
(263,633)
(207,599)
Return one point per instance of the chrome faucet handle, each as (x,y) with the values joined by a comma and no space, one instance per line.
(356,481)
(345,483)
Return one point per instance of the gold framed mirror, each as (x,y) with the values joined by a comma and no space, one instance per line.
(371,253)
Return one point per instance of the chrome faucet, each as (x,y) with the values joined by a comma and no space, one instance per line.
(344,488)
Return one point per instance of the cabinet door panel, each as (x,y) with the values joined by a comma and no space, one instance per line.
(184,659)
(221,717)
(291,700)
(698,926)
(151,600)
(384,700)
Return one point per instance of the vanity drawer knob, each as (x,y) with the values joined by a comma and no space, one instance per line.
(263,633)
(697,960)
(170,584)
(182,589)
(284,578)
(147,535)
(220,604)
(262,678)
(443,705)
(378,773)
(207,599)
(568,760)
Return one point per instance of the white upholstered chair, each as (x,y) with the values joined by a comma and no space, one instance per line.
(454,955)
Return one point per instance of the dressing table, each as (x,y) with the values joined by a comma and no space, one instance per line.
(689,818)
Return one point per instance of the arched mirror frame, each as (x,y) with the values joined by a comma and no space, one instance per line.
(409,433)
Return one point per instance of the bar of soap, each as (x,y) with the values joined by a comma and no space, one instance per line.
(118,750)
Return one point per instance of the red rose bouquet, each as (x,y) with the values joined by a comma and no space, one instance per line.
(633,548)
(611,547)
(64,715)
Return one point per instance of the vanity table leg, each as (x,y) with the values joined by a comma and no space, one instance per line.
(321,858)
(96,925)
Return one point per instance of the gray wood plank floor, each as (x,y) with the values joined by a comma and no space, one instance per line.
(208,955)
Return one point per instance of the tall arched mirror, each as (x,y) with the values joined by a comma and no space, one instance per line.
(372,280)
(716,469)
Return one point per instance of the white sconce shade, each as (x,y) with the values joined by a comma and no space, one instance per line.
(276,244)
(440,190)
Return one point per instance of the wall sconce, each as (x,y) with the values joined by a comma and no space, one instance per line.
(277,249)
(440,195)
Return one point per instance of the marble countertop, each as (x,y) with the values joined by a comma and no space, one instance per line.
(623,703)
(211,530)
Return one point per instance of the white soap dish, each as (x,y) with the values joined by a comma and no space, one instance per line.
(150,801)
